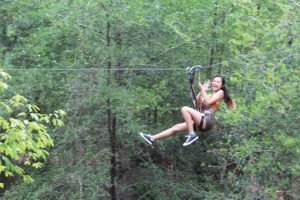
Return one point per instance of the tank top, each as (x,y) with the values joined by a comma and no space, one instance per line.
(215,106)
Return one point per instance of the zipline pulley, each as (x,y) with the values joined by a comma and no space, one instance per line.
(191,72)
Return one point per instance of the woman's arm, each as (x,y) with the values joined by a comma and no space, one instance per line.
(198,97)
(216,97)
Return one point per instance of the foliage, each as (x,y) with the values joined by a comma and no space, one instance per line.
(24,137)
(118,67)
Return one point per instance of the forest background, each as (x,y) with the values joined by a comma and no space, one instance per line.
(118,67)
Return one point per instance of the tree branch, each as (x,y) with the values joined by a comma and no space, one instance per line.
(165,51)
(296,3)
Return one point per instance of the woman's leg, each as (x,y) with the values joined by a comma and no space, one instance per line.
(174,129)
(190,117)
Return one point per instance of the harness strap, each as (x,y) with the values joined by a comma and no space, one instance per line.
(201,123)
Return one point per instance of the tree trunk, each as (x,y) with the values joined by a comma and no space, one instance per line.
(111,119)
(211,62)
(3,31)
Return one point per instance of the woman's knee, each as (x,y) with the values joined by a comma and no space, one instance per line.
(185,109)
(175,128)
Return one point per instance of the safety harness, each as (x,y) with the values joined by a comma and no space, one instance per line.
(198,105)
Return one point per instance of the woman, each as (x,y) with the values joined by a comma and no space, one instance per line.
(195,120)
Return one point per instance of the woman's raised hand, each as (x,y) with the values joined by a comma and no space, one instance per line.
(205,86)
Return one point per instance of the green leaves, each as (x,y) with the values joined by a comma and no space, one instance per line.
(24,137)
(119,46)
(3,77)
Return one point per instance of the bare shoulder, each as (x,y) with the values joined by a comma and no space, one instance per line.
(216,97)
(219,94)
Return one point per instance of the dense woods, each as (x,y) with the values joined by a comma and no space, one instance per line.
(105,70)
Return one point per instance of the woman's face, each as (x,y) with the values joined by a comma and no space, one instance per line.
(217,84)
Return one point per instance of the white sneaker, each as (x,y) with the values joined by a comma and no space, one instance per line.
(147,138)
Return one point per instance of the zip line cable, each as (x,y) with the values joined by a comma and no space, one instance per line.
(98,69)
(145,69)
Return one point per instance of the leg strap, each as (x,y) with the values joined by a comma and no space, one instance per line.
(201,123)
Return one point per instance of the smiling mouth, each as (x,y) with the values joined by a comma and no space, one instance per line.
(214,87)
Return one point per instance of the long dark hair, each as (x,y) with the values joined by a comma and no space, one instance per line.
(227,98)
